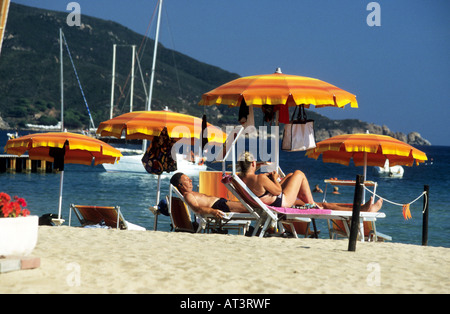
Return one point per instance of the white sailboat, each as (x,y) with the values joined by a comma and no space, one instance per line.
(132,162)
(391,172)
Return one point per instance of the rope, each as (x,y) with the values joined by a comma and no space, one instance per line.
(406,212)
(78,79)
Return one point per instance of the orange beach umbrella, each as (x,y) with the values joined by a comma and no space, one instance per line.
(279,89)
(146,124)
(62,148)
(79,149)
(366,150)
(377,148)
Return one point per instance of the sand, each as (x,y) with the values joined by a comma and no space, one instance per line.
(77,260)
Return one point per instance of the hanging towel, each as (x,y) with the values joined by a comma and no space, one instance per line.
(283,116)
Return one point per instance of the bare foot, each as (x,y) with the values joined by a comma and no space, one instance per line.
(377,206)
(366,206)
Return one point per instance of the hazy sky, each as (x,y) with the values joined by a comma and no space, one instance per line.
(399,70)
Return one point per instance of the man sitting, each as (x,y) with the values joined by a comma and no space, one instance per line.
(201,203)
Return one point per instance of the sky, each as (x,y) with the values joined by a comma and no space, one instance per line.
(394,55)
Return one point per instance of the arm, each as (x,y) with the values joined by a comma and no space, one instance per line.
(270,183)
(202,210)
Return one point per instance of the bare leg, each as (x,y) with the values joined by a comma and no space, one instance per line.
(296,186)
(367,207)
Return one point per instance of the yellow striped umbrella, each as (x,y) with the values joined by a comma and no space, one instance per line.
(366,150)
(146,124)
(62,148)
(372,147)
(79,149)
(279,89)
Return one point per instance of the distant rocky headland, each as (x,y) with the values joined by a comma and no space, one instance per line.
(412,138)
(342,127)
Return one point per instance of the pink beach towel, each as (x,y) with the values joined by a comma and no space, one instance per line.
(296,211)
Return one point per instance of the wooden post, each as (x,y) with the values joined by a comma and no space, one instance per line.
(426,202)
(28,165)
(12,164)
(355,216)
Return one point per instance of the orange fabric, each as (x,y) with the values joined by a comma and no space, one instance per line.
(95,214)
(210,184)
(80,149)
(180,216)
(279,89)
(146,124)
(406,212)
(342,148)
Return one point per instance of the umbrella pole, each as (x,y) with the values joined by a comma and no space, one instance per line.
(59,221)
(365,177)
(158,195)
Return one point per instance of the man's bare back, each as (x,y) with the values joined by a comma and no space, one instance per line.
(202,203)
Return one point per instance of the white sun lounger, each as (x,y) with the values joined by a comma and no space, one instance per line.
(207,223)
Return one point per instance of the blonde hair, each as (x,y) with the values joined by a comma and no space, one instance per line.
(245,161)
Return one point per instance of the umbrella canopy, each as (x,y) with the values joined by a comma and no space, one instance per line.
(147,124)
(279,89)
(62,148)
(78,149)
(377,148)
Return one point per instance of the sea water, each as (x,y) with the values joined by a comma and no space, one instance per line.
(135,193)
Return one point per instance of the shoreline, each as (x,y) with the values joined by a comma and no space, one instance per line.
(78,260)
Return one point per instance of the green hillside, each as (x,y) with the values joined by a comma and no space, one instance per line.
(30,67)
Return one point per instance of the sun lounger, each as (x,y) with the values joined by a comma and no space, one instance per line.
(273,216)
(283,215)
(341,229)
(277,216)
(180,214)
(101,216)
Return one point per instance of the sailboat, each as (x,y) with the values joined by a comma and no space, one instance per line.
(132,162)
(391,172)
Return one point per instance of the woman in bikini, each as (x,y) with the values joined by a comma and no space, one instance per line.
(272,190)
(292,190)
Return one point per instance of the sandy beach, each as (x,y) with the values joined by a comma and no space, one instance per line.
(77,260)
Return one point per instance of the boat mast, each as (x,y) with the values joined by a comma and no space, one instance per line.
(113,81)
(149,104)
(132,76)
(61,77)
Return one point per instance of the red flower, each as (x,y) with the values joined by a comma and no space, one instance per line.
(13,209)
(20,201)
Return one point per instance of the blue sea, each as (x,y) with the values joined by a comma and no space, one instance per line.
(134,193)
